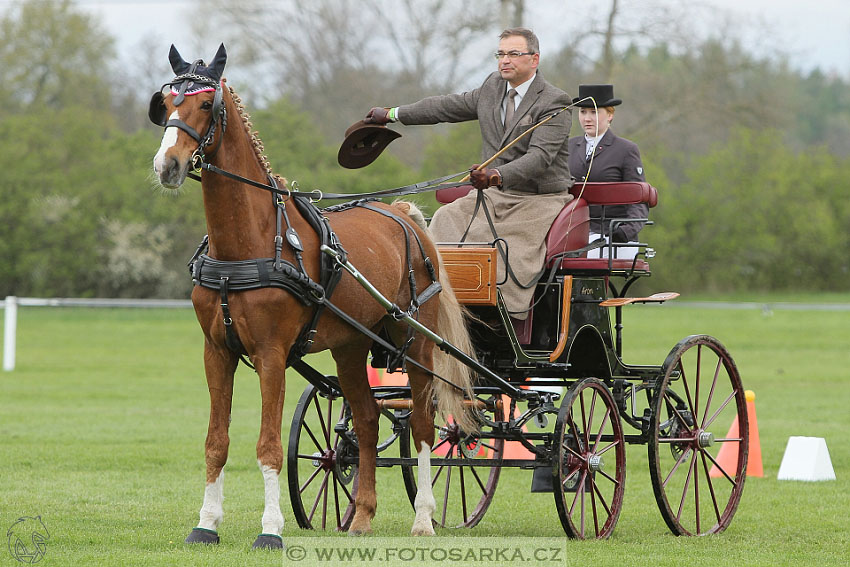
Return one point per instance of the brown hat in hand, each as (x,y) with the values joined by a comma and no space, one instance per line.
(363,143)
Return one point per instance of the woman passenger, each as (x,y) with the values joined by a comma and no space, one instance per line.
(614,159)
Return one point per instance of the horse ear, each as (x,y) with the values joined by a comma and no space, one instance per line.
(177,63)
(217,66)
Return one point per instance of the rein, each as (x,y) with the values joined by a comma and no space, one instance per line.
(199,163)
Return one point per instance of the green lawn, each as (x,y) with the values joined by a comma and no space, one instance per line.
(102,427)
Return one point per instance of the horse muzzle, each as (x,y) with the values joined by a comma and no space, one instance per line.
(170,171)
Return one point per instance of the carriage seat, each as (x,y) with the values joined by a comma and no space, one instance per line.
(571,228)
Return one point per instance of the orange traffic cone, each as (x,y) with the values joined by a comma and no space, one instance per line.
(394,379)
(728,455)
(374,375)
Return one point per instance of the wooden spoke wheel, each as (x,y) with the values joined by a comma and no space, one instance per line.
(463,490)
(697,471)
(589,466)
(322,462)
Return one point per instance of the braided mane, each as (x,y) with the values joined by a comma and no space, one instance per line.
(256,142)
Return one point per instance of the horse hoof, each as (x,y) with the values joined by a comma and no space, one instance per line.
(202,535)
(268,541)
(429,531)
(355,533)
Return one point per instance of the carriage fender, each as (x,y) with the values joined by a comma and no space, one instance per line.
(587,355)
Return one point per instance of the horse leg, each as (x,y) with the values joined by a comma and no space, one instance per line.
(271,370)
(422,428)
(351,367)
(220,366)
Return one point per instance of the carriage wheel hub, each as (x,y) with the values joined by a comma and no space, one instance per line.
(326,459)
(595,463)
(705,439)
(450,433)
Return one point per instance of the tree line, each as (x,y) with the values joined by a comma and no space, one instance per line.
(749,155)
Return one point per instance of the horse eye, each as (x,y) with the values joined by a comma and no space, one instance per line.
(206,105)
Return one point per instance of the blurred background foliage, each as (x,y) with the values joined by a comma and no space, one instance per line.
(749,155)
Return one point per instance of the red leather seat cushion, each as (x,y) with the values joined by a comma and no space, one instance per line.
(570,229)
(452,193)
(601,264)
(619,193)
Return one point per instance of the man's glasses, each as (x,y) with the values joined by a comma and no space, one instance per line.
(511,54)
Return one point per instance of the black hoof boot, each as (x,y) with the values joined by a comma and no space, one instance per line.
(268,541)
(202,535)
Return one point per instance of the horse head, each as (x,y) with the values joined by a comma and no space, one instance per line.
(191,109)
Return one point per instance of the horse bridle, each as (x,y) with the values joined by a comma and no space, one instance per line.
(157,110)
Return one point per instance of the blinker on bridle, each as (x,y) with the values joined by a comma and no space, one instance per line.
(187,83)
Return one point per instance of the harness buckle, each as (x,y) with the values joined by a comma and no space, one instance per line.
(308,342)
(318,295)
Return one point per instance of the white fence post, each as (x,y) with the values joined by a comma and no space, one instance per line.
(9,332)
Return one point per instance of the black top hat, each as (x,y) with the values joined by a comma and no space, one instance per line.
(602,94)
(363,143)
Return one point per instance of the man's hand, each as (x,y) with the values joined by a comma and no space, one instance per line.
(378,115)
(483,178)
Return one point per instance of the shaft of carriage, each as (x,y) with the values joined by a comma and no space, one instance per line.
(396,312)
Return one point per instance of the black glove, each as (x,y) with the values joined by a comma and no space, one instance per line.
(378,115)
(483,178)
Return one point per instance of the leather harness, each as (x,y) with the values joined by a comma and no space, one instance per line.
(242,275)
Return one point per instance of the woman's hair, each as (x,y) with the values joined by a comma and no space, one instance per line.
(530,38)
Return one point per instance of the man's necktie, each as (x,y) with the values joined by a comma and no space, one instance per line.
(509,109)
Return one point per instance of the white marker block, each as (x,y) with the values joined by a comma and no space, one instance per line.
(806,458)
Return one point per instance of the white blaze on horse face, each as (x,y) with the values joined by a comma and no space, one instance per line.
(272,516)
(424,503)
(169,138)
(212,511)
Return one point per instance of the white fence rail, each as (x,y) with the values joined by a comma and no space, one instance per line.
(11,303)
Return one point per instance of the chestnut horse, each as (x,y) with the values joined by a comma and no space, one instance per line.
(241,221)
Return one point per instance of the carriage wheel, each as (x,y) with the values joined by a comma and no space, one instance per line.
(700,395)
(589,465)
(463,492)
(321,463)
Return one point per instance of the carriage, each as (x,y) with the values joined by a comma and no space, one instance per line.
(563,394)
(278,278)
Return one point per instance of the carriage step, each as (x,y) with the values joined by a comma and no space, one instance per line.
(654,298)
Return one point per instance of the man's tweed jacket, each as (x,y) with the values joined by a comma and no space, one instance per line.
(538,162)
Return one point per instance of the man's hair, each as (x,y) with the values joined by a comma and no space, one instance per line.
(530,38)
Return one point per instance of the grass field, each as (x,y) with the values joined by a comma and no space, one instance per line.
(102,428)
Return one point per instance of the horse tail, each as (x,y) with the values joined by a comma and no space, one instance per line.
(410,209)
(457,378)
(457,382)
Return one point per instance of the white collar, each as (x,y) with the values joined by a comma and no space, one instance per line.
(522,88)
(592,142)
